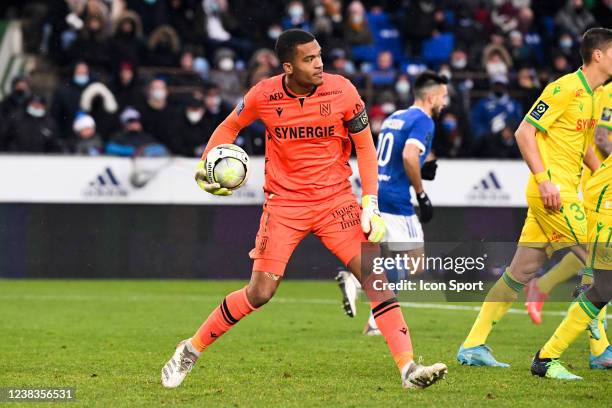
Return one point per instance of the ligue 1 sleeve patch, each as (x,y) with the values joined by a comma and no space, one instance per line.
(538,111)
(240,107)
(358,123)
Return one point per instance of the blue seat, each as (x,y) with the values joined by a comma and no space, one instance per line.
(438,49)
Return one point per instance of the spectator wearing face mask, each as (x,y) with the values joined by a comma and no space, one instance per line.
(216,109)
(296,17)
(88,142)
(402,90)
(451,135)
(159,116)
(356,28)
(493,113)
(16,101)
(133,140)
(496,60)
(274,31)
(225,76)
(194,128)
(32,130)
(67,99)
(569,49)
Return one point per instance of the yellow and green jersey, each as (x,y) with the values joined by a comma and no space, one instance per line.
(598,190)
(565,116)
(606,103)
(605,119)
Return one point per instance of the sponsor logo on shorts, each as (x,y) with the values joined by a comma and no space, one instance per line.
(538,111)
(348,216)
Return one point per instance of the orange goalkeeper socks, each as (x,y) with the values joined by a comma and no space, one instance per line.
(234,307)
(391,324)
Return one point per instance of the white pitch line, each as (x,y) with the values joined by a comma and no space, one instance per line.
(199,298)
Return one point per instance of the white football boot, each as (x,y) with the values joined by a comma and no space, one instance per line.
(349,286)
(181,363)
(418,376)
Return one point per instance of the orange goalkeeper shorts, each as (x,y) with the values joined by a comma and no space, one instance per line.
(281,228)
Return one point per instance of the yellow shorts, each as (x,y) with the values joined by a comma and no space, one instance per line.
(557,229)
(600,244)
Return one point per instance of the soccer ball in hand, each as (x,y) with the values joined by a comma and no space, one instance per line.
(228,165)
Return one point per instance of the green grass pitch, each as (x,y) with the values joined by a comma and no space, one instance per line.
(109,339)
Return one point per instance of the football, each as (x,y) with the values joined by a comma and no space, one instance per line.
(228,165)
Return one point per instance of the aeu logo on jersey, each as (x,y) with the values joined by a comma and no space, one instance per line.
(538,111)
(275,95)
(325,108)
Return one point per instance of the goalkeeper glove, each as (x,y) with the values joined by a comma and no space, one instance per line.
(372,223)
(212,188)
(425,207)
(428,171)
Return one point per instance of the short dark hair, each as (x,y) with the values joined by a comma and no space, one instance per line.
(593,39)
(288,41)
(426,80)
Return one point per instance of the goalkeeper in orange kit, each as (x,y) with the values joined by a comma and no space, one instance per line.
(312,119)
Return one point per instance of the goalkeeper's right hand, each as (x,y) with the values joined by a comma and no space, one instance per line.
(212,188)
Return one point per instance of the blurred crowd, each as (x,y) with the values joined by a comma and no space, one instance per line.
(155,77)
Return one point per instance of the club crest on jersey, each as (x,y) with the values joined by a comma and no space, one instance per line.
(538,111)
(325,109)
(607,113)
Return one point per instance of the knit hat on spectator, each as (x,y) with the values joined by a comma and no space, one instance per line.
(129,114)
(83,121)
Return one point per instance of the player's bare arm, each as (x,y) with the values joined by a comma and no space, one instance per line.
(591,160)
(412,165)
(602,140)
(526,139)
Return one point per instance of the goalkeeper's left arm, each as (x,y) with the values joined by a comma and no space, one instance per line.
(371,221)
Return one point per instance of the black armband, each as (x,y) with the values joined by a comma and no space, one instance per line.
(358,123)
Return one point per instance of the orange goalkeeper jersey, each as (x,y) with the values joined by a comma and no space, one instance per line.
(307,137)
